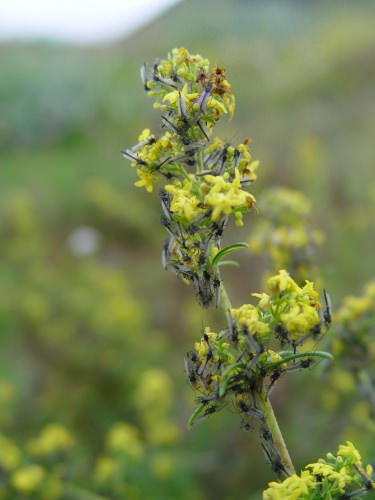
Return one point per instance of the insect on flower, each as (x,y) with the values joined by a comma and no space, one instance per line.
(190,359)
(144,77)
(203,97)
(327,311)
(275,463)
(128,153)
(208,356)
(275,375)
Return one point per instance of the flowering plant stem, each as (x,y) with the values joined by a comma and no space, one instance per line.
(278,454)
(285,468)
(206,184)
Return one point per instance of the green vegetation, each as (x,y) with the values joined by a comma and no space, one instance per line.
(93,399)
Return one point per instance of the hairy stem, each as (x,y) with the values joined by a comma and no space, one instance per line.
(225,302)
(199,160)
(272,440)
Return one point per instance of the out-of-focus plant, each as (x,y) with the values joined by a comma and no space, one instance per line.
(353,343)
(285,234)
(351,379)
(205,183)
(83,413)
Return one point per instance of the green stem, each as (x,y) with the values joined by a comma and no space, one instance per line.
(289,356)
(270,423)
(281,451)
(225,302)
(199,161)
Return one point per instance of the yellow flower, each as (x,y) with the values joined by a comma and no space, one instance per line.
(272,356)
(53,438)
(154,390)
(312,294)
(217,105)
(124,437)
(300,320)
(264,299)
(292,488)
(282,282)
(105,469)
(146,133)
(28,479)
(202,346)
(224,196)
(348,451)
(184,202)
(174,97)
(247,316)
(10,455)
(146,179)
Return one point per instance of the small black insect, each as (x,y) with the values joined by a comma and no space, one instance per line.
(327,311)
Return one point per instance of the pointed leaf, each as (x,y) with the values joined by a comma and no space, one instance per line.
(227,250)
(195,415)
(229,263)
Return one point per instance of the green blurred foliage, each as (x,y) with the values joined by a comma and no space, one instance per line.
(93,343)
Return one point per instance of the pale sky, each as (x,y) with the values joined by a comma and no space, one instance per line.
(82,21)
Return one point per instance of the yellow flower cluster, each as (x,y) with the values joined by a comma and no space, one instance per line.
(10,455)
(54,438)
(206,180)
(260,344)
(354,342)
(250,317)
(219,194)
(225,197)
(293,488)
(285,232)
(181,67)
(357,308)
(183,64)
(124,438)
(340,476)
(185,204)
(287,309)
(28,479)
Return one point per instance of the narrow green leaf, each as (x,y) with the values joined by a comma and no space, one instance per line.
(226,377)
(290,356)
(227,250)
(229,263)
(195,415)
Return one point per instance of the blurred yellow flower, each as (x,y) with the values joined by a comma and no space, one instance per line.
(124,437)
(28,479)
(10,455)
(53,438)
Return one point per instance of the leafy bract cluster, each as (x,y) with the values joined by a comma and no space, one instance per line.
(337,477)
(261,343)
(285,233)
(205,179)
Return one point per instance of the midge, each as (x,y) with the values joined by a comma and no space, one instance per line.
(128,153)
(208,357)
(276,464)
(148,76)
(190,371)
(327,311)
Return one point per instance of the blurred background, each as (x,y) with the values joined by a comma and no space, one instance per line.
(93,396)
